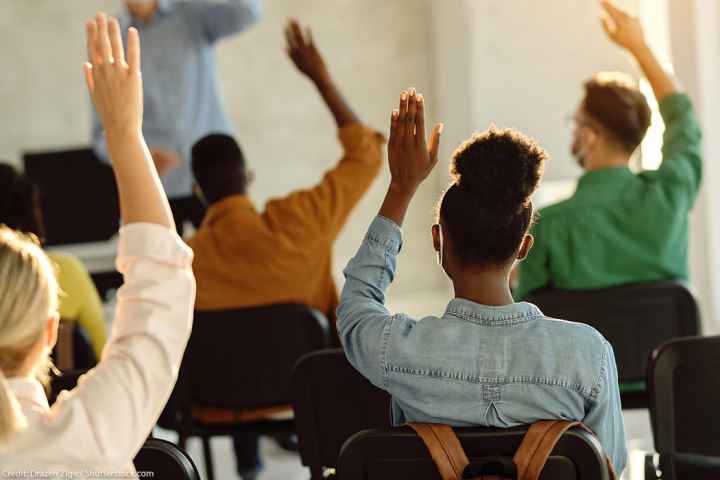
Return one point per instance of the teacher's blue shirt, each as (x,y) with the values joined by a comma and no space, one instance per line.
(181,91)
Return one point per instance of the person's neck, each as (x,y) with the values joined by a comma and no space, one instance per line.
(488,287)
(608,160)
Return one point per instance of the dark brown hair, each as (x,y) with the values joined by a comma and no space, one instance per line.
(487,209)
(612,100)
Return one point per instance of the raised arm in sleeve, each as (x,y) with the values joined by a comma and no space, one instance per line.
(114,408)
(364,324)
(604,415)
(219,19)
(681,168)
(323,210)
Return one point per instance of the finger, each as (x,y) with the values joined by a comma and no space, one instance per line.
(90,40)
(103,39)
(420,120)
(87,69)
(434,144)
(309,36)
(134,59)
(297,33)
(412,111)
(393,127)
(614,12)
(292,44)
(402,113)
(607,26)
(116,44)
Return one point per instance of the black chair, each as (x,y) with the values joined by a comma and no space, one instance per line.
(635,319)
(332,402)
(399,453)
(238,361)
(163,460)
(685,397)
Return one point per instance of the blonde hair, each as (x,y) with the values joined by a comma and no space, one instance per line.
(28,297)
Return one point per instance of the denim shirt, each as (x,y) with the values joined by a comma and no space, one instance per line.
(475,365)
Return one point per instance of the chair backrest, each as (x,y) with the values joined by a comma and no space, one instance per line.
(399,453)
(685,396)
(244,358)
(78,195)
(635,319)
(165,460)
(332,402)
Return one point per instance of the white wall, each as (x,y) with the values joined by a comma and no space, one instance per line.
(374,47)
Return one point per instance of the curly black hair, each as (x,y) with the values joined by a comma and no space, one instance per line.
(487,209)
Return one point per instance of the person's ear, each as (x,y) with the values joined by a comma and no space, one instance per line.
(525,246)
(249,177)
(199,193)
(53,324)
(437,244)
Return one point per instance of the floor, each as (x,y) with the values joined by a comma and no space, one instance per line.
(281,465)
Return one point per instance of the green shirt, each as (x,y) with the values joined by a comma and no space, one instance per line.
(620,227)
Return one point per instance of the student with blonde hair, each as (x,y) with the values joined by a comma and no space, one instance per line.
(98,427)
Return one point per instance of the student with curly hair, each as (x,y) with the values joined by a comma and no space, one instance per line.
(487,360)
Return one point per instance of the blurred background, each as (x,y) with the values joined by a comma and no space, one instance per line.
(517,63)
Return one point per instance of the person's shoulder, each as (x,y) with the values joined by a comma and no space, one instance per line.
(581,336)
(559,209)
(67,263)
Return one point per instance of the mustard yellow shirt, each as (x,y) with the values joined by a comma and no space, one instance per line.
(245,257)
(80,301)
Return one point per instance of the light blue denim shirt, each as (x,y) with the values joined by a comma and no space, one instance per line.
(182,99)
(476,364)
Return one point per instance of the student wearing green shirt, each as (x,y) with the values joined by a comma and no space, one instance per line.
(620,227)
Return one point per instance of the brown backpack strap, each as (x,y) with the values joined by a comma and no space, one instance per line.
(444,447)
(538,444)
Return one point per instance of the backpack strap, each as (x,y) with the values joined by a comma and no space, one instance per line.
(444,447)
(538,444)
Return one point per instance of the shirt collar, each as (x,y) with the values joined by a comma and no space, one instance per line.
(30,394)
(488,315)
(604,176)
(228,204)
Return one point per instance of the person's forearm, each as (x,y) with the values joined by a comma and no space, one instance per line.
(396,203)
(141,196)
(335,101)
(660,81)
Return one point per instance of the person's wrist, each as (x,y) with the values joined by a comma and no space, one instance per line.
(123,132)
(403,188)
(639,49)
(322,80)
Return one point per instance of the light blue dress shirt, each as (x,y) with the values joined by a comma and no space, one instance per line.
(181,90)
(476,365)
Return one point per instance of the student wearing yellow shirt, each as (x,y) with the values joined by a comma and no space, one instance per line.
(79,301)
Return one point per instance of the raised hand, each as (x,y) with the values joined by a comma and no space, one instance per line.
(114,82)
(410,156)
(116,89)
(622,28)
(301,49)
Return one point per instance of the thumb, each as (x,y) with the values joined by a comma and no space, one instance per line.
(434,144)
(606,25)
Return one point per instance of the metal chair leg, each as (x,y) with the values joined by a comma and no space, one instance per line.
(207,454)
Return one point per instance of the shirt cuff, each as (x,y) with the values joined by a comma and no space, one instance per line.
(386,233)
(674,105)
(153,242)
(357,135)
